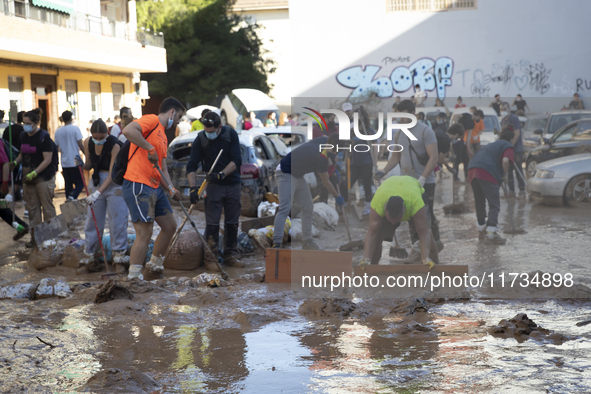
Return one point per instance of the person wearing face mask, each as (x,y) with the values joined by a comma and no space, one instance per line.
(39,168)
(144,189)
(101,149)
(223,186)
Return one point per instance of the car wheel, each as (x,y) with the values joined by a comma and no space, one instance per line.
(578,192)
(531,168)
(224,119)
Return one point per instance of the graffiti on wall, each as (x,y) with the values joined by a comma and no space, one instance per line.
(429,74)
(521,75)
(583,84)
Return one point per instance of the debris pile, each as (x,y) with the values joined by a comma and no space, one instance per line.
(523,328)
(327,307)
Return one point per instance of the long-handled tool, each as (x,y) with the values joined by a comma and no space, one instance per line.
(351,245)
(98,233)
(11,172)
(513,229)
(205,246)
(199,193)
(396,251)
(453,207)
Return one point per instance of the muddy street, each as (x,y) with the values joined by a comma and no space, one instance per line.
(167,335)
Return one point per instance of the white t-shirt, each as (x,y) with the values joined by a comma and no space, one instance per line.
(115,130)
(66,138)
(184,128)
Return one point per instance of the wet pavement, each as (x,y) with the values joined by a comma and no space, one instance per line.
(257,338)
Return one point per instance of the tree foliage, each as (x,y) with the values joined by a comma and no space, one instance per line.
(210,51)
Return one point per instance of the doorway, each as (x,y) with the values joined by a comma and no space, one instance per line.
(45,97)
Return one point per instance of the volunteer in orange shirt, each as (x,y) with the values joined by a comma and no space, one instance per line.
(472,138)
(143,188)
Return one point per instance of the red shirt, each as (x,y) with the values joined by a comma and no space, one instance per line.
(481,173)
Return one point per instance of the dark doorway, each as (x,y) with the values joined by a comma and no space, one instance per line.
(45,97)
(43,104)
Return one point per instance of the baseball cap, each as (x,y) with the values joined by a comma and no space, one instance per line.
(347,107)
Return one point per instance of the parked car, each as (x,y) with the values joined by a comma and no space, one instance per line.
(243,101)
(565,142)
(259,160)
(291,136)
(560,119)
(491,123)
(532,140)
(195,112)
(431,113)
(565,180)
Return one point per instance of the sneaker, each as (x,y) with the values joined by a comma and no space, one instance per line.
(493,237)
(21,234)
(156,264)
(26,214)
(310,245)
(439,246)
(481,230)
(121,262)
(70,198)
(366,209)
(231,260)
(135,271)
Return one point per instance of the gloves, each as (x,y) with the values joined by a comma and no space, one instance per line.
(12,165)
(379,174)
(30,176)
(428,262)
(364,261)
(5,186)
(194,195)
(216,177)
(339,200)
(8,198)
(422,180)
(93,197)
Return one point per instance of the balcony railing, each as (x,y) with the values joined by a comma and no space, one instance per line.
(83,22)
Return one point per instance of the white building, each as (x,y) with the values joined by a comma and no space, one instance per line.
(468,48)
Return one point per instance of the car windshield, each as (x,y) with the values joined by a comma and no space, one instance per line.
(535,123)
(262,115)
(289,139)
(561,120)
(490,122)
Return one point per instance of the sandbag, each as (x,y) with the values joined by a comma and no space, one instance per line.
(74,253)
(325,216)
(267,209)
(186,253)
(49,255)
(296,231)
(50,287)
(259,239)
(19,291)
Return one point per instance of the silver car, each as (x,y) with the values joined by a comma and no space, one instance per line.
(564,180)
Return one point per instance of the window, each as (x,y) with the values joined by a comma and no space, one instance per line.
(19,8)
(15,95)
(429,5)
(566,134)
(259,150)
(95,100)
(118,96)
(270,148)
(583,131)
(72,96)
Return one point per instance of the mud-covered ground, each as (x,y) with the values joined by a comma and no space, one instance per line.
(257,337)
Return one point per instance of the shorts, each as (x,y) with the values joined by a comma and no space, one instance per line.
(144,202)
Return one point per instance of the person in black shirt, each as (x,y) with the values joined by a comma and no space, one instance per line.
(15,130)
(496,105)
(520,103)
(223,186)
(37,150)
(456,133)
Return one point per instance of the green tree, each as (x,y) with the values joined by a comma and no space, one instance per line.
(210,51)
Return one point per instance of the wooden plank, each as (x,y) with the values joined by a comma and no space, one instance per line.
(72,210)
(278,266)
(411,269)
(50,229)
(257,223)
(291,265)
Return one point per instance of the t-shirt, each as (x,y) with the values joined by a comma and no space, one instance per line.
(478,126)
(520,105)
(66,138)
(406,187)
(497,107)
(32,149)
(443,142)
(305,158)
(513,120)
(420,97)
(576,105)
(256,122)
(409,162)
(197,125)
(184,128)
(17,129)
(460,105)
(115,130)
(481,173)
(139,168)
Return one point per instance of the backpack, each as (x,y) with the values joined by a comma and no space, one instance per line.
(121,161)
(8,147)
(55,157)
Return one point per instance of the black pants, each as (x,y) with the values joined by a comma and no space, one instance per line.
(518,156)
(486,191)
(6,215)
(226,198)
(73,178)
(462,157)
(428,199)
(364,174)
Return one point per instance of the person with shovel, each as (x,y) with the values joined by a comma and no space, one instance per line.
(223,187)
(143,186)
(487,169)
(101,149)
(398,199)
(418,160)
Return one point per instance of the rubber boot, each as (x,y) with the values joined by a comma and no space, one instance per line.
(481,230)
(90,262)
(231,248)
(208,261)
(493,237)
(156,264)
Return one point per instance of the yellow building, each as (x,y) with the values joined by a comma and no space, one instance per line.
(82,56)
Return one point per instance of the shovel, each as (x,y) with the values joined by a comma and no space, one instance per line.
(453,207)
(351,245)
(397,252)
(205,246)
(513,229)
